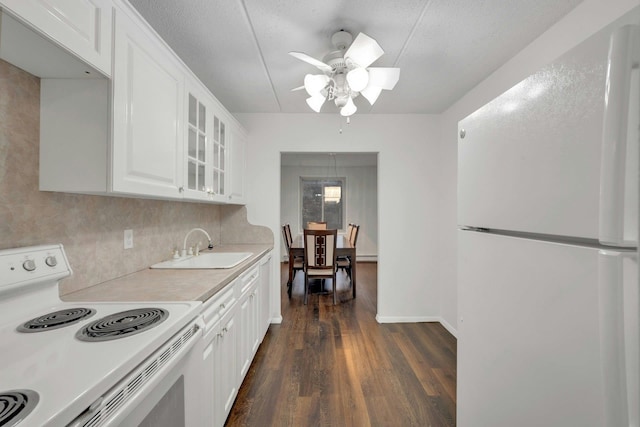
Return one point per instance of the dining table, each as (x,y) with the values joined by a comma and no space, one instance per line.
(344,248)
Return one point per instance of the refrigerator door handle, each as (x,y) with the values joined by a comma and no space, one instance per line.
(619,161)
(619,336)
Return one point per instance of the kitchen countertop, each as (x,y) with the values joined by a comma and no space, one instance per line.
(171,285)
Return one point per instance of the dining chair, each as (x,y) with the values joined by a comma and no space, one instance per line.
(342,259)
(348,232)
(316,225)
(296,263)
(344,263)
(320,258)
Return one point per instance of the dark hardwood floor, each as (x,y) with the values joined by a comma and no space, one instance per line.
(329,365)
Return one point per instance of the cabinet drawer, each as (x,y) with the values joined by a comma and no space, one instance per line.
(247,280)
(217,306)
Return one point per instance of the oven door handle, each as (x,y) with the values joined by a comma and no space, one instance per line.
(109,409)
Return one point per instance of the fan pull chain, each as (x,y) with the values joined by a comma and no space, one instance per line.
(340,126)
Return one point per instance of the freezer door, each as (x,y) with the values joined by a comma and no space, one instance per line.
(530,160)
(529,344)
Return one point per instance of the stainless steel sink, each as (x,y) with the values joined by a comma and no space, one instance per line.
(208,260)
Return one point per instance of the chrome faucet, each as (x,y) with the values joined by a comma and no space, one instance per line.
(184,245)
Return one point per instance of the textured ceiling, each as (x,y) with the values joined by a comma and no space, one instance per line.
(238,48)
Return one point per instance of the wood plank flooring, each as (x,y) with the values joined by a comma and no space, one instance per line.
(331,365)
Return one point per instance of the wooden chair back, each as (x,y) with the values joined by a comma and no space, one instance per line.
(320,250)
(348,232)
(288,237)
(320,258)
(353,238)
(316,225)
(295,262)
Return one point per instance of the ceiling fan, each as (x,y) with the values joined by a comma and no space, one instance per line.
(346,73)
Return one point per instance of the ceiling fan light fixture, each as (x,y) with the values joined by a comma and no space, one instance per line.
(358,79)
(313,84)
(349,108)
(371,93)
(315,102)
(346,74)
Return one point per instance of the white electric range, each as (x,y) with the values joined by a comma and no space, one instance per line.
(91,363)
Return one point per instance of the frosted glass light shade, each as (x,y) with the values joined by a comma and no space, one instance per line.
(349,108)
(314,83)
(371,93)
(358,78)
(315,102)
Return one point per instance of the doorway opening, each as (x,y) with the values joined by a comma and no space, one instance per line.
(337,188)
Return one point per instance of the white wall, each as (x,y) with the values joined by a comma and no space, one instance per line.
(589,17)
(361,202)
(408,211)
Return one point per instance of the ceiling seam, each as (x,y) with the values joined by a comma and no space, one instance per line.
(412,32)
(264,64)
(408,39)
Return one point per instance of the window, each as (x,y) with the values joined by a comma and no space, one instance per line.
(323,200)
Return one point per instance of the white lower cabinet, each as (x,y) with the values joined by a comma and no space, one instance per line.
(234,328)
(248,318)
(219,356)
(226,379)
(264,293)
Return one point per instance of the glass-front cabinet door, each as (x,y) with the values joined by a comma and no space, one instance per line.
(220,152)
(197,148)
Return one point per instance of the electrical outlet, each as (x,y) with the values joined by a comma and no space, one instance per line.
(128,239)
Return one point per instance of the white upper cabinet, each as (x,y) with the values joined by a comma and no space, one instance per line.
(153,130)
(238,159)
(82,27)
(148,87)
(198,147)
(220,158)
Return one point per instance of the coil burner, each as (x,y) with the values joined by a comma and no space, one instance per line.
(122,324)
(55,320)
(15,405)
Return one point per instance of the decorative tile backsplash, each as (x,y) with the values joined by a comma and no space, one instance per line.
(91,228)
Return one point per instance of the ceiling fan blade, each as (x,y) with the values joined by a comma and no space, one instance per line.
(364,50)
(383,77)
(297,88)
(310,60)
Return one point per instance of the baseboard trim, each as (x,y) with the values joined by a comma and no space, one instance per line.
(453,331)
(416,319)
(276,320)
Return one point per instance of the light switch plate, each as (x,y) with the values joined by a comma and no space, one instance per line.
(128,239)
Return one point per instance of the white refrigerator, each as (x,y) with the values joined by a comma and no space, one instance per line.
(548,328)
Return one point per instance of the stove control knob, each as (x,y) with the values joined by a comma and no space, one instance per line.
(29,265)
(51,261)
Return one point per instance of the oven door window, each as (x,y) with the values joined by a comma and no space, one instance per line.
(169,411)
